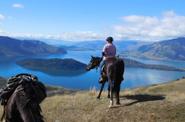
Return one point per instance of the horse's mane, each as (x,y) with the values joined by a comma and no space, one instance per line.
(28,82)
(23,85)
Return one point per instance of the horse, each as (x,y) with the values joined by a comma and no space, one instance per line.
(23,103)
(114,74)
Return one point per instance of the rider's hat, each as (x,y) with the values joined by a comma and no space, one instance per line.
(109,39)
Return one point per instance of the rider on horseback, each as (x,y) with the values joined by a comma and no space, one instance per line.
(108,55)
(112,70)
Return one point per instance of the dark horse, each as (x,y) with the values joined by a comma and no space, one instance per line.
(23,103)
(114,74)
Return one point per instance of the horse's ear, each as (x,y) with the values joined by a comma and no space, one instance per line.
(92,56)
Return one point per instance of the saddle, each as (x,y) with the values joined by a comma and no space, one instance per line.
(103,78)
(104,69)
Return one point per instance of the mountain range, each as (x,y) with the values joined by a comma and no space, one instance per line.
(11,48)
(173,49)
(121,45)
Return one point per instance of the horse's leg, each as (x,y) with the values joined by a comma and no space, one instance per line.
(111,85)
(117,94)
(111,96)
(102,86)
(111,93)
(108,91)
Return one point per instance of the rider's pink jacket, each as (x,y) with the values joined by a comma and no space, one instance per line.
(110,51)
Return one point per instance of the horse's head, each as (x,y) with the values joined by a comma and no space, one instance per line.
(94,63)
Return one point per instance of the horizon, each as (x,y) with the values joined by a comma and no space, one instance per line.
(69,42)
(93,20)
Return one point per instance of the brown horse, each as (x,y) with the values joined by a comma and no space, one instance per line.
(114,73)
(23,104)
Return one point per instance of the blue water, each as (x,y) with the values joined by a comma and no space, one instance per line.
(134,77)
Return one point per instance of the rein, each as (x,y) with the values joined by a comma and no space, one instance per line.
(98,64)
(97,68)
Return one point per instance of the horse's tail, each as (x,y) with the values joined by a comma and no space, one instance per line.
(119,70)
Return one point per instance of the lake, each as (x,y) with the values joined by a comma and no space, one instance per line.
(134,77)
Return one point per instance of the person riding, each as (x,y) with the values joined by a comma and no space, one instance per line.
(108,55)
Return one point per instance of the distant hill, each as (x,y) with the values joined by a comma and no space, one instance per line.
(11,48)
(169,49)
(55,66)
(121,45)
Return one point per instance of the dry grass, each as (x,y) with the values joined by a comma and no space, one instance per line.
(157,103)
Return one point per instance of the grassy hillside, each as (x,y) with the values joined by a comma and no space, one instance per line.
(157,103)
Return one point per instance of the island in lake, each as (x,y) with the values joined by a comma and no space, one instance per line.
(71,67)
(55,66)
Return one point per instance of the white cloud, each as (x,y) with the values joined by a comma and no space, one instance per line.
(151,28)
(134,27)
(71,36)
(17,5)
(2,32)
(2,17)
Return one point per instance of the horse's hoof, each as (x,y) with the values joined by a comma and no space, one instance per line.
(98,97)
(111,104)
(108,96)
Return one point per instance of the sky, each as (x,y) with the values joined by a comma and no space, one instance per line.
(145,20)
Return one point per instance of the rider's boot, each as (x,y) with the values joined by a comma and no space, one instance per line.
(103,78)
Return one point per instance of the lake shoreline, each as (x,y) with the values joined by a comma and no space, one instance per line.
(134,77)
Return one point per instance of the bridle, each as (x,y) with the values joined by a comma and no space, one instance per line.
(95,62)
